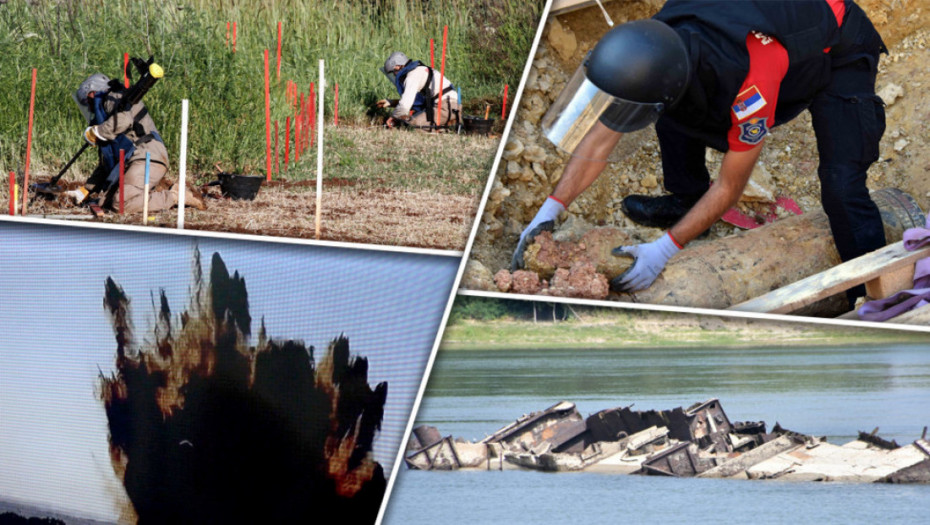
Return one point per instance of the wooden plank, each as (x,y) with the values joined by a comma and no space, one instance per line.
(833,281)
(560,7)
(891,282)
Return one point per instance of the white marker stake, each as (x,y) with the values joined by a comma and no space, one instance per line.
(182,174)
(319,152)
(145,197)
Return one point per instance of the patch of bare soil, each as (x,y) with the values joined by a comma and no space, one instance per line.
(381,187)
(420,219)
(532,166)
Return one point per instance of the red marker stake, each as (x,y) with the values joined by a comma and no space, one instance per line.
(12,193)
(309,123)
(267,121)
(432,61)
(302,117)
(234,36)
(296,138)
(336,110)
(32,105)
(287,140)
(122,180)
(277,166)
(442,74)
(279,52)
(303,124)
(312,113)
(125,70)
(504,107)
(227,34)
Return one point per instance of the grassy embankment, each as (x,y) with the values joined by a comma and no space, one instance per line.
(70,39)
(620,329)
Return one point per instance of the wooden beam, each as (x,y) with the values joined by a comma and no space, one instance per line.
(835,280)
(890,282)
(560,7)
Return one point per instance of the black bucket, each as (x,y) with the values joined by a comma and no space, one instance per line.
(239,187)
(479,126)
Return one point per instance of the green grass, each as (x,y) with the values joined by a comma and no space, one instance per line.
(402,160)
(66,40)
(624,332)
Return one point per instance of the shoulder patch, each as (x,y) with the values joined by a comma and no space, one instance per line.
(748,102)
(753,130)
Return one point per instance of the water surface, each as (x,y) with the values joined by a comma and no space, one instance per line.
(829,391)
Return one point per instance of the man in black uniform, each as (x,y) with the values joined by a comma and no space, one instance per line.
(721,74)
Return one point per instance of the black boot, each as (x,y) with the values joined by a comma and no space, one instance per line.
(658,212)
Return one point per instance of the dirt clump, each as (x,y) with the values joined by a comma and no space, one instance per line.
(478,277)
(504,280)
(581,281)
(546,254)
(525,282)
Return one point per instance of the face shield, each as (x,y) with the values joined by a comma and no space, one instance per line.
(391,75)
(93,84)
(85,109)
(581,105)
(396,59)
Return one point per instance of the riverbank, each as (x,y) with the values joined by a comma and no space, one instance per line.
(622,329)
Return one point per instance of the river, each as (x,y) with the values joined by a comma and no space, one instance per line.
(829,391)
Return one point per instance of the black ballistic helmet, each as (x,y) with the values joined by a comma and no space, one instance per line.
(644,62)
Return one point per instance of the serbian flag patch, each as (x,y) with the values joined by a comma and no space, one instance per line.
(748,102)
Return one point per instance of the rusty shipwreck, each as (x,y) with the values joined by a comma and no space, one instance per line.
(699,441)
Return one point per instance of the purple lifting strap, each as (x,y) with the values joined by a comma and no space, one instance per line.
(905,300)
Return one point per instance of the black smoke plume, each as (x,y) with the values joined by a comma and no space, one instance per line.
(207,429)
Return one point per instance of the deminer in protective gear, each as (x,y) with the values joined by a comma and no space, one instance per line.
(420,88)
(134,132)
(722,74)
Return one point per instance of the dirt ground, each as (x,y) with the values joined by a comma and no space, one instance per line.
(788,165)
(415,191)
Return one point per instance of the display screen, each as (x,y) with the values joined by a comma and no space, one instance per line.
(151,375)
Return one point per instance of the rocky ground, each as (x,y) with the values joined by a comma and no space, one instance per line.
(531,166)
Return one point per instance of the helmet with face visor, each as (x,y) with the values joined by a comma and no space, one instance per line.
(396,59)
(634,73)
(95,83)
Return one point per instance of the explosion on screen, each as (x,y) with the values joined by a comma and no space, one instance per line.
(206,428)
